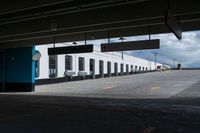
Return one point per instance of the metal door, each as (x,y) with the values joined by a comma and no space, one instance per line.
(109,68)
(116,69)
(101,68)
(92,68)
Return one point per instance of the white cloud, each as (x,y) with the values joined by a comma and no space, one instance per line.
(185,51)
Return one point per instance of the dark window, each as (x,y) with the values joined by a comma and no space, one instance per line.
(101,68)
(122,68)
(116,68)
(109,68)
(127,68)
(92,66)
(131,67)
(53,65)
(68,62)
(92,61)
(81,64)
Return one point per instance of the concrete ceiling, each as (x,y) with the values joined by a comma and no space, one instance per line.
(37,22)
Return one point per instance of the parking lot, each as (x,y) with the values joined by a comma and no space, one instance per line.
(140,86)
(166,102)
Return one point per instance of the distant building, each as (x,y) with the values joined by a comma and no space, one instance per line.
(96,64)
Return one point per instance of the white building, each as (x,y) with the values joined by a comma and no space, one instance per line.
(96,64)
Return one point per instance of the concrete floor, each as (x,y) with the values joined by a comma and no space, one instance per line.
(147,103)
(148,85)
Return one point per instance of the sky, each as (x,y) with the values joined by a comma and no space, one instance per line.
(185,51)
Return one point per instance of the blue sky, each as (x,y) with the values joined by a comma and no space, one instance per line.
(185,51)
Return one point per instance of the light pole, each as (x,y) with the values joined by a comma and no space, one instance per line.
(174,63)
(155,55)
(122,39)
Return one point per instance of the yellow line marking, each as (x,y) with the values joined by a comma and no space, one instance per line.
(148,130)
(157,88)
(108,88)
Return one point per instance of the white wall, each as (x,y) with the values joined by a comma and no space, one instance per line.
(97,55)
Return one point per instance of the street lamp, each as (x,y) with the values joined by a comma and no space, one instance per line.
(155,55)
(174,63)
(122,39)
(74,43)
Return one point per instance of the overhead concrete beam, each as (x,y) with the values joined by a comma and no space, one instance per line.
(156,29)
(129,19)
(85,19)
(9,6)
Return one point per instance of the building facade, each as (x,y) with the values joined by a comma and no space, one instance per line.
(96,64)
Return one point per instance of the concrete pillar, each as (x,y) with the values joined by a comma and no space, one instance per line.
(1,70)
(18,74)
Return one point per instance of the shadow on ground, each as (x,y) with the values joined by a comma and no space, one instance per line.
(192,91)
(41,114)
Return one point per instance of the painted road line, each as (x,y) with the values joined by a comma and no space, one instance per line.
(157,88)
(108,87)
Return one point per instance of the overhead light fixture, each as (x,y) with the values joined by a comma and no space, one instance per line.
(122,38)
(75,43)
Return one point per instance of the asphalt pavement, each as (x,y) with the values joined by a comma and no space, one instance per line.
(140,86)
(166,102)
